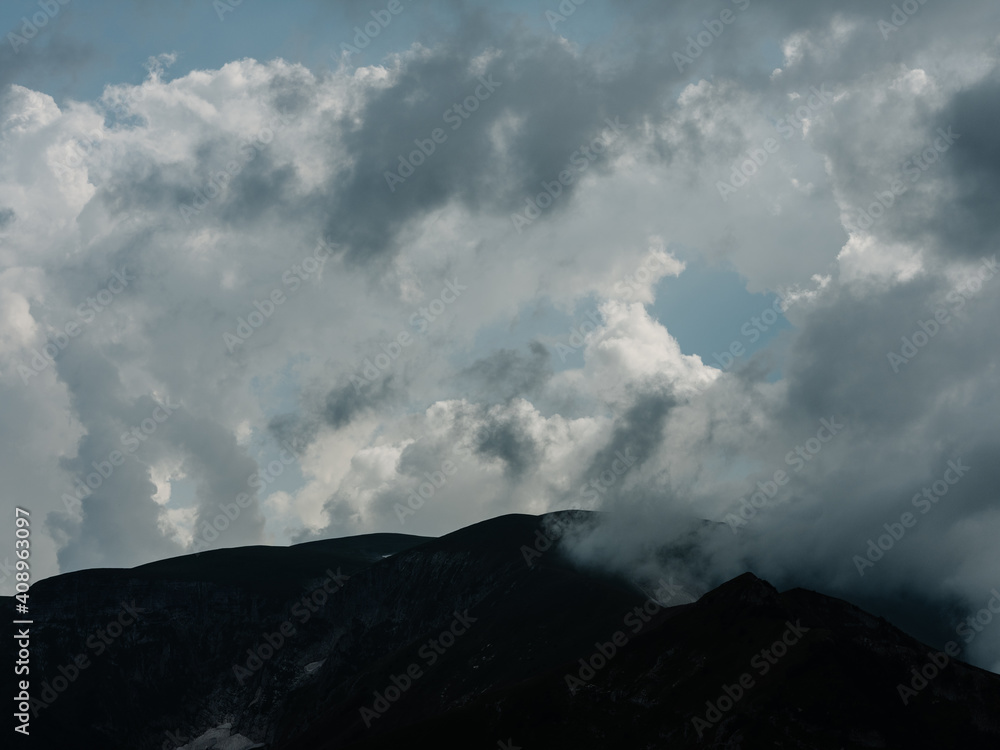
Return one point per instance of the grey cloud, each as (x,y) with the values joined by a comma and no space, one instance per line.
(345,402)
(120,521)
(341,405)
(507,374)
(968,225)
(507,440)
(562,101)
(293,429)
(641,425)
(900,432)
(221,471)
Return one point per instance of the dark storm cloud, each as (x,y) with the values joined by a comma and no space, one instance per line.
(259,192)
(636,436)
(559,102)
(900,431)
(507,439)
(549,101)
(777,20)
(292,429)
(341,405)
(641,426)
(905,425)
(508,374)
(559,99)
(840,364)
(968,225)
(345,402)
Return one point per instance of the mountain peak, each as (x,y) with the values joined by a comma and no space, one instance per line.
(745,589)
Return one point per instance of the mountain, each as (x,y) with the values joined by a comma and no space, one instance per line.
(488,637)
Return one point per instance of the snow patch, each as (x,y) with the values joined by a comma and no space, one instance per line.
(221,739)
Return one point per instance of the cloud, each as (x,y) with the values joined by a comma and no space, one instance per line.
(507,373)
(343,403)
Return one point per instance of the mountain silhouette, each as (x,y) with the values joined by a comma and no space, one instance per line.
(488,637)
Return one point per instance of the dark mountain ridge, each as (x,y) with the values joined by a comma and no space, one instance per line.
(487,635)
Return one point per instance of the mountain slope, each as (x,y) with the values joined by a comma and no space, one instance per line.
(468,640)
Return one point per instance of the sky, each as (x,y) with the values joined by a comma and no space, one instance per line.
(278,272)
